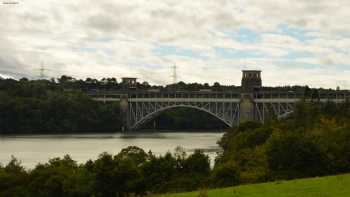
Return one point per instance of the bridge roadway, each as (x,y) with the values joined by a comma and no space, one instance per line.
(229,107)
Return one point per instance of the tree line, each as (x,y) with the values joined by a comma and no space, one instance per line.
(43,106)
(314,141)
(130,172)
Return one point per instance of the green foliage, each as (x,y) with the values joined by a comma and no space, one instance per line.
(225,175)
(134,153)
(314,141)
(131,172)
(159,172)
(197,163)
(43,106)
(13,179)
(291,155)
(247,135)
(59,177)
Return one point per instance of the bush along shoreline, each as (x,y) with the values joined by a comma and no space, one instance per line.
(130,172)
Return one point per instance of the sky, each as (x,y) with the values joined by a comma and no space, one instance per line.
(293,42)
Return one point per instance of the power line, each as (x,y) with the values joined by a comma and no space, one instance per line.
(42,71)
(174,75)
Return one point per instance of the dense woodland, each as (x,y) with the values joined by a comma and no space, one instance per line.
(46,107)
(314,141)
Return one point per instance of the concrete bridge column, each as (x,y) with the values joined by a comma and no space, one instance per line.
(247,110)
(124,110)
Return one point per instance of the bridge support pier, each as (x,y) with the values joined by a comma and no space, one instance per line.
(124,110)
(247,110)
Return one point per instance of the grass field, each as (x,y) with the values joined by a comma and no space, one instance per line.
(331,186)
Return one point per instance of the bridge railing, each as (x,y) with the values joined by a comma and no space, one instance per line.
(269,95)
(225,95)
(220,95)
(185,95)
(300,95)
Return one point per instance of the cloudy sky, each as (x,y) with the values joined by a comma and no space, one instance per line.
(291,41)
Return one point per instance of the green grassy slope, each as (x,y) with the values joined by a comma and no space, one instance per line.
(331,186)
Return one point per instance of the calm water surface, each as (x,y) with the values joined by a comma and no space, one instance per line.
(32,149)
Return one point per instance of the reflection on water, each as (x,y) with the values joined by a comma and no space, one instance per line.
(32,149)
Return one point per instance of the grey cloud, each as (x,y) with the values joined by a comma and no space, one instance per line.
(327,61)
(103,23)
(11,67)
(56,33)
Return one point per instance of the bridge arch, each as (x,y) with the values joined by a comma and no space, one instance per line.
(152,115)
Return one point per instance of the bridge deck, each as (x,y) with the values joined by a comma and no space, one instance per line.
(229,107)
(224,96)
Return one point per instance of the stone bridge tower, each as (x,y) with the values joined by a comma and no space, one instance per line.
(251,82)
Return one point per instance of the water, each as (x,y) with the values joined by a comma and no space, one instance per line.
(32,149)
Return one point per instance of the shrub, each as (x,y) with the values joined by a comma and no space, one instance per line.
(225,175)
(293,155)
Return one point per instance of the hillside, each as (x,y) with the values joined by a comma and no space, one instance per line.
(332,186)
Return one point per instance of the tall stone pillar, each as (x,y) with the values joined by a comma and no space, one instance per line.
(251,83)
(246,112)
(124,111)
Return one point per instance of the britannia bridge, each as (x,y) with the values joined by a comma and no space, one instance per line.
(250,103)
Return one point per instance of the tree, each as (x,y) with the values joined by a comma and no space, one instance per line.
(159,172)
(217,86)
(13,179)
(134,153)
(104,171)
(225,175)
(293,155)
(197,163)
(65,79)
(60,177)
